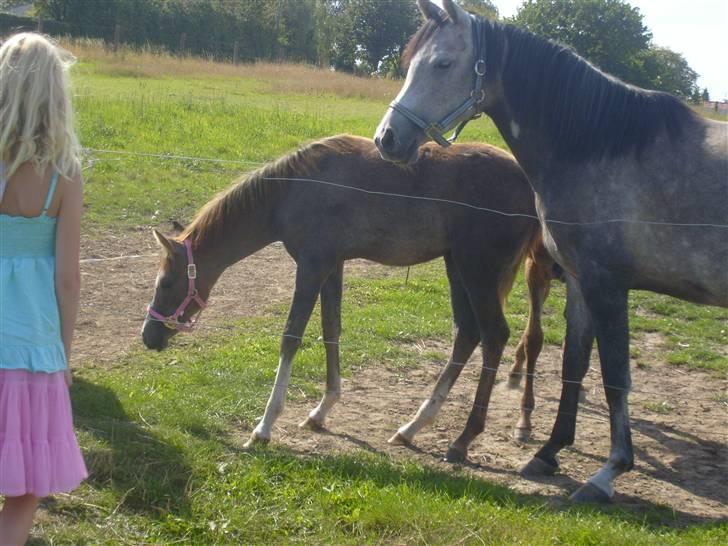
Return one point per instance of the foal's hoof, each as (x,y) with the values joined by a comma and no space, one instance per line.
(455,455)
(589,493)
(514,381)
(311,424)
(521,435)
(255,441)
(399,439)
(538,468)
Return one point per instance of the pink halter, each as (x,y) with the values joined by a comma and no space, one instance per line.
(172,321)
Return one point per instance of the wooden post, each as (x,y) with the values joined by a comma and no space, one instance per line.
(40,25)
(117,37)
(182,44)
(236,52)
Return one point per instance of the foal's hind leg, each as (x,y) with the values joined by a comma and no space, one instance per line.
(486,303)
(466,340)
(309,277)
(331,325)
(538,280)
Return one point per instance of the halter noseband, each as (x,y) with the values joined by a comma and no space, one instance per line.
(172,321)
(461,115)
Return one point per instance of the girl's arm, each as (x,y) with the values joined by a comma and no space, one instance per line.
(68,243)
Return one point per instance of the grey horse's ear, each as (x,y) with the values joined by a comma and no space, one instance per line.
(454,12)
(165,243)
(429,10)
(178,228)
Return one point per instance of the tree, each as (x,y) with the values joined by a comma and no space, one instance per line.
(609,33)
(484,8)
(705,96)
(367,31)
(667,70)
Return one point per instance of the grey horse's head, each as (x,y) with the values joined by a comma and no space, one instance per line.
(441,56)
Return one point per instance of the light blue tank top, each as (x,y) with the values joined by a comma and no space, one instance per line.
(30,325)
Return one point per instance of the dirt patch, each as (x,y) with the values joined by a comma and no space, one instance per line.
(678,416)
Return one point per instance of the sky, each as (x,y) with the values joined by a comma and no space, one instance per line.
(698,29)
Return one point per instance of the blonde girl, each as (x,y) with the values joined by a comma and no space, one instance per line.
(40,218)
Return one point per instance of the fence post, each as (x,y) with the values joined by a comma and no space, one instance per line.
(182,44)
(40,25)
(236,52)
(117,37)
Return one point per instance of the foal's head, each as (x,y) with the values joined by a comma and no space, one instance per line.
(180,293)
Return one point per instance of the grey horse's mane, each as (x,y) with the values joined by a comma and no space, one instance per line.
(585,112)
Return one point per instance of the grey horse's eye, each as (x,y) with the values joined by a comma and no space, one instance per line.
(443,64)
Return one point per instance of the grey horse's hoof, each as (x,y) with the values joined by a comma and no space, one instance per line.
(538,468)
(311,424)
(455,455)
(589,493)
(522,435)
(399,439)
(514,381)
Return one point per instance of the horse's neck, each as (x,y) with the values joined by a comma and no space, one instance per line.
(251,234)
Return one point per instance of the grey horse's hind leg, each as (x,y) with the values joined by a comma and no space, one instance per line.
(309,278)
(466,340)
(538,280)
(577,350)
(608,305)
(331,326)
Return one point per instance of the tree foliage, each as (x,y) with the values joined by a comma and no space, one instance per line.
(366,36)
(612,35)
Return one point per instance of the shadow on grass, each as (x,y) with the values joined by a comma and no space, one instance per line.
(148,474)
(376,466)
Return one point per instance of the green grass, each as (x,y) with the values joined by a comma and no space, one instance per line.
(162,435)
(162,431)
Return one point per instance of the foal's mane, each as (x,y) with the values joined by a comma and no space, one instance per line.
(255,191)
(582,111)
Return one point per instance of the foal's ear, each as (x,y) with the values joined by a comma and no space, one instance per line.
(429,10)
(165,243)
(454,12)
(178,228)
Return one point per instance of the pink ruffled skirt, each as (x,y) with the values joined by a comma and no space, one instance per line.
(39,453)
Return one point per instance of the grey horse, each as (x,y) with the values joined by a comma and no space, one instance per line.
(631,189)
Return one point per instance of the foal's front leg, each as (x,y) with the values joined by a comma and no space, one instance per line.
(308,285)
(331,325)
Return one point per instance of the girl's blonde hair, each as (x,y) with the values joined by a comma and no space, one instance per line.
(36,117)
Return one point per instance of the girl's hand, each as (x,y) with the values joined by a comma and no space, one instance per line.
(68,376)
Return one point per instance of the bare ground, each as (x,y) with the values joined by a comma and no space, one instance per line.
(678,415)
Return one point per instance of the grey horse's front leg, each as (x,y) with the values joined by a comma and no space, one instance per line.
(609,311)
(576,353)
(309,278)
(331,324)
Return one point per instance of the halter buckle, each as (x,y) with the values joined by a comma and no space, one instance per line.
(191,271)
(479,67)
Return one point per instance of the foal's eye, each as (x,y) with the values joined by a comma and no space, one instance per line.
(165,283)
(443,64)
